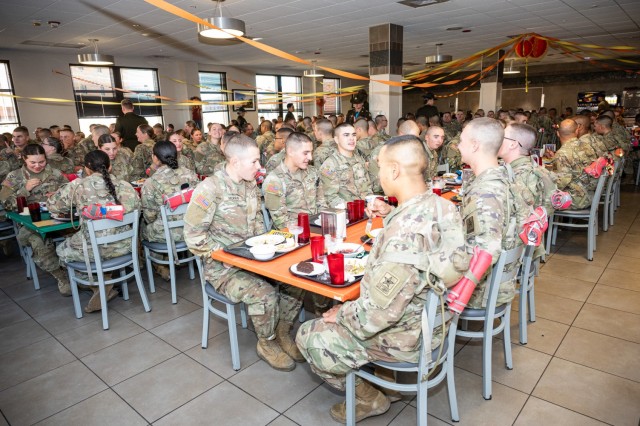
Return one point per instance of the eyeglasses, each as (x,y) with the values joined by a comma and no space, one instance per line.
(514,140)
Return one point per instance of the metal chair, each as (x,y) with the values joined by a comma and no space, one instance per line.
(615,197)
(528,273)
(505,269)
(170,248)
(607,199)
(99,266)
(428,360)
(589,215)
(209,295)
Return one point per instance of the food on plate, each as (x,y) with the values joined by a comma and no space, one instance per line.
(450,176)
(288,244)
(354,266)
(305,267)
(345,251)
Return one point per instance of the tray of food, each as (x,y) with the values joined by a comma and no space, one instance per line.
(316,272)
(265,247)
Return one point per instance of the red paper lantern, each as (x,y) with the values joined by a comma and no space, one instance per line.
(539,47)
(523,48)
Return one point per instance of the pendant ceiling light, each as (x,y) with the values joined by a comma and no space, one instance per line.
(510,70)
(313,72)
(95,58)
(437,58)
(229,27)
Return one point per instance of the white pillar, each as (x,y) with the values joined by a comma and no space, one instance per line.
(490,96)
(385,99)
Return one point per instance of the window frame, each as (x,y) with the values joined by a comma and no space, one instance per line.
(223,92)
(282,105)
(12,91)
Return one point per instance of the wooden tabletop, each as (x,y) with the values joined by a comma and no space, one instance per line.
(278,269)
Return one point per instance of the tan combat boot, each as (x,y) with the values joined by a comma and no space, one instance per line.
(271,353)
(94,303)
(369,402)
(389,376)
(283,337)
(163,271)
(63,282)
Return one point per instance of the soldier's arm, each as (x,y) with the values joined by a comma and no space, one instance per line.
(149,200)
(275,201)
(563,170)
(321,201)
(138,162)
(483,221)
(198,219)
(61,200)
(330,184)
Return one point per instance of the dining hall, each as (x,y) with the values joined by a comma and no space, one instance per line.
(319,212)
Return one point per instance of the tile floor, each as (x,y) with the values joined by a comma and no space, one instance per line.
(580,366)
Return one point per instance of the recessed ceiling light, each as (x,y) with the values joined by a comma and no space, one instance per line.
(136,25)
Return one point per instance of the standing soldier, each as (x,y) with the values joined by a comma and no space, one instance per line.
(224,209)
(142,155)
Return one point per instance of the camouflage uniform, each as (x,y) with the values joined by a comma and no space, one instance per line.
(384,323)
(275,161)
(286,194)
(569,163)
(545,123)
(265,140)
(165,181)
(189,143)
(597,143)
(621,136)
(374,171)
(84,192)
(344,179)
(44,252)
(320,155)
(270,151)
(121,168)
(128,154)
(183,162)
(432,168)
(9,161)
(451,130)
(207,156)
(142,159)
(189,160)
(365,146)
(491,219)
(451,154)
(222,212)
(57,161)
(609,142)
(81,149)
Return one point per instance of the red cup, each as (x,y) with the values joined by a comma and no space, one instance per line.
(303,220)
(393,201)
(34,211)
(352,211)
(336,268)
(437,191)
(317,248)
(360,204)
(22,203)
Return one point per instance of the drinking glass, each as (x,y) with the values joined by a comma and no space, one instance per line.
(303,221)
(294,229)
(317,248)
(336,268)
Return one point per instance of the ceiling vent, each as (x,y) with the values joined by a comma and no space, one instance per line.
(421,3)
(50,44)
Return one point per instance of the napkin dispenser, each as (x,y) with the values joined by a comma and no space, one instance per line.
(334,222)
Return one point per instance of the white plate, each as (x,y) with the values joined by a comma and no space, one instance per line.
(264,239)
(355,267)
(62,219)
(286,246)
(355,249)
(318,268)
(453,182)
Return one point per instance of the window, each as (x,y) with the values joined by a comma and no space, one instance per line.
(331,103)
(9,118)
(213,86)
(97,84)
(269,103)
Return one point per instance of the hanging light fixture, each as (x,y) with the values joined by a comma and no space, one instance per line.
(437,58)
(511,70)
(313,72)
(95,58)
(229,27)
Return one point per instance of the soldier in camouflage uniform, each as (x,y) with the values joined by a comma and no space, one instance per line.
(183,161)
(10,155)
(536,182)
(209,154)
(53,149)
(224,209)
(451,127)
(603,129)
(276,146)
(81,149)
(381,123)
(364,143)
(343,176)
(142,155)
(36,181)
(266,137)
(384,322)
(569,163)
(97,187)
(68,142)
(324,135)
(432,142)
(120,167)
(491,212)
(545,123)
(451,154)
(125,151)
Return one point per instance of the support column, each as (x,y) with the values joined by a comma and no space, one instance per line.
(491,85)
(385,63)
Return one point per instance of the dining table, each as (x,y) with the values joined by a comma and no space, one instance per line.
(46,226)
(278,268)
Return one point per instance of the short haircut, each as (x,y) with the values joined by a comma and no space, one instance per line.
(488,132)
(409,127)
(21,129)
(324,127)
(191,124)
(524,133)
(44,133)
(582,120)
(101,130)
(237,145)
(54,142)
(296,139)
(605,121)
(416,155)
(432,129)
(266,125)
(146,129)
(379,118)
(361,124)
(567,127)
(126,104)
(337,130)
(421,120)
(284,131)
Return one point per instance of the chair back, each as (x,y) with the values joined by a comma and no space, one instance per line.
(611,181)
(172,219)
(505,269)
(598,193)
(527,267)
(431,318)
(94,227)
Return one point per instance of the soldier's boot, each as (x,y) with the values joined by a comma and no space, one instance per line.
(283,337)
(63,282)
(271,353)
(94,303)
(6,247)
(163,271)
(369,402)
(389,376)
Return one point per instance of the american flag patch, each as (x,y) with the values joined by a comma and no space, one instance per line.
(201,201)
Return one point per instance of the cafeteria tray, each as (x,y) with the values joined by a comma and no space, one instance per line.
(241,249)
(327,281)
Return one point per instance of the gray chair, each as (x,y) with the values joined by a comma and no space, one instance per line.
(528,273)
(99,267)
(428,360)
(505,269)
(615,198)
(170,248)
(589,215)
(607,200)
(210,295)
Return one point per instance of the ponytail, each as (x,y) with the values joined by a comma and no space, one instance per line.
(98,161)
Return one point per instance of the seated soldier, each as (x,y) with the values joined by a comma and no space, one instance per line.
(384,322)
(224,209)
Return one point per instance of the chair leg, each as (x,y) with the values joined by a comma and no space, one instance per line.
(233,337)
(590,240)
(451,382)
(486,359)
(522,315)
(31,268)
(124,285)
(74,292)
(243,315)
(172,277)
(152,285)
(506,334)
(103,301)
(351,398)
(612,206)
(549,234)
(421,403)
(605,215)
(140,284)
(192,274)
(302,315)
(532,301)
(205,324)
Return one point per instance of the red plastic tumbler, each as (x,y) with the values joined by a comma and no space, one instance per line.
(303,220)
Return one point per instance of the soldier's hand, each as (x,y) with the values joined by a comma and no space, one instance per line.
(32,183)
(378,208)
